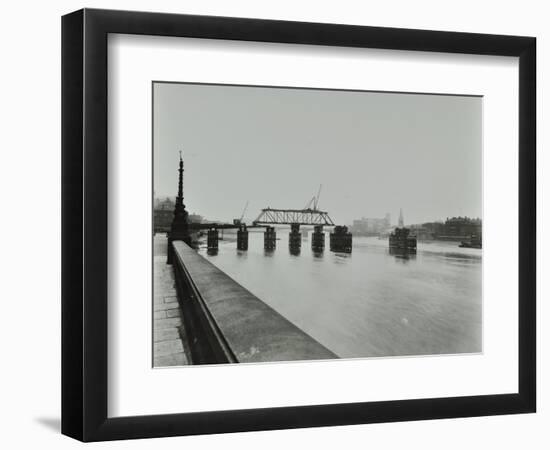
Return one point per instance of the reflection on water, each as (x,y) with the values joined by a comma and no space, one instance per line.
(402,253)
(294,251)
(369,302)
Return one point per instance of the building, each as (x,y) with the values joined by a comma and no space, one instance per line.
(371,226)
(426,231)
(458,228)
(453,229)
(163,214)
(195,218)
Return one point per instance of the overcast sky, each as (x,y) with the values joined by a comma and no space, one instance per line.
(372,152)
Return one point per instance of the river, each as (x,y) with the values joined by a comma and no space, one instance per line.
(367,303)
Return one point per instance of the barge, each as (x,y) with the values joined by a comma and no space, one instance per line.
(473,242)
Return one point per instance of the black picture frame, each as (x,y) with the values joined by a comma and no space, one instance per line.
(84,224)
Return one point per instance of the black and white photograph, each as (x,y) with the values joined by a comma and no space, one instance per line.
(275,225)
(293,224)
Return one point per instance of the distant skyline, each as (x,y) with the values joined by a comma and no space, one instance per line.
(393,220)
(373,152)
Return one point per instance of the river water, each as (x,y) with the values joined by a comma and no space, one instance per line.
(368,303)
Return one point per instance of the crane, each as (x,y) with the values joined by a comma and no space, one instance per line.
(317,198)
(239,220)
(314,200)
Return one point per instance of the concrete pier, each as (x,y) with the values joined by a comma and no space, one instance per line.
(341,240)
(212,239)
(295,237)
(227,323)
(318,239)
(242,238)
(270,238)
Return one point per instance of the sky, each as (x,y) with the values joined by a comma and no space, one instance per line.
(373,152)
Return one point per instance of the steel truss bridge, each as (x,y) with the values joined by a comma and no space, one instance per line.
(308,216)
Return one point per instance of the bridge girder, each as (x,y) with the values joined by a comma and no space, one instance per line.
(271,216)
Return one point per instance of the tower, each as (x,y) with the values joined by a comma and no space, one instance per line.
(401,222)
(179,230)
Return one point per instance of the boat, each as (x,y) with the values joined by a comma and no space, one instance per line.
(474,242)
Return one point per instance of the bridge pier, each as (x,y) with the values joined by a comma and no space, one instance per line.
(295,239)
(340,239)
(212,239)
(318,239)
(270,238)
(242,238)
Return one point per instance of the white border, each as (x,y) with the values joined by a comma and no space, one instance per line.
(136,389)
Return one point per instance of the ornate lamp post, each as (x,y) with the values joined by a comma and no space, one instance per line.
(179,230)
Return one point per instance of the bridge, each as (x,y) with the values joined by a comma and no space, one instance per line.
(203,316)
(308,216)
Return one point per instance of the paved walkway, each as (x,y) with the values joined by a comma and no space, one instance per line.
(168,346)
